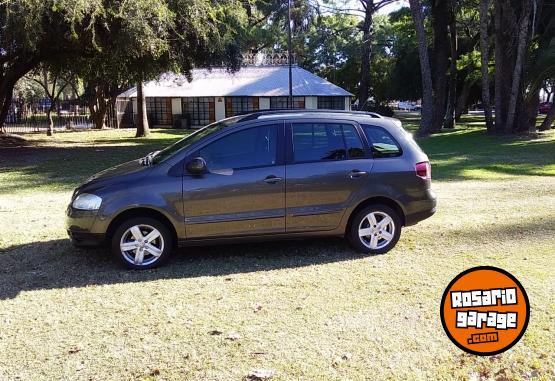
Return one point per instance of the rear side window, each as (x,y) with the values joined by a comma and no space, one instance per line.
(325,141)
(382,143)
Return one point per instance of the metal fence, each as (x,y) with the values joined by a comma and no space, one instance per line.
(68,115)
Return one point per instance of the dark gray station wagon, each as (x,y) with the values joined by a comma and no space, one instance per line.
(261,176)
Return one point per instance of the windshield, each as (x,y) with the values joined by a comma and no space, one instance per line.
(189,140)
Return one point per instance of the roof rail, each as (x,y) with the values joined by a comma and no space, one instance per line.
(256,114)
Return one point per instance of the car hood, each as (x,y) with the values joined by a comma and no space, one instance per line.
(120,173)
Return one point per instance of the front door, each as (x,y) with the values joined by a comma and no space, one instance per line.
(243,192)
(327,165)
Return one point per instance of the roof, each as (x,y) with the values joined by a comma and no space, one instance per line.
(258,81)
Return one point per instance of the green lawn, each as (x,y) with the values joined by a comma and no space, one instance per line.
(310,309)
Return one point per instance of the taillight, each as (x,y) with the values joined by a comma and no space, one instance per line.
(424,170)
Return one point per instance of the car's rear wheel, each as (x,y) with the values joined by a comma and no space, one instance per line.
(374,229)
(142,243)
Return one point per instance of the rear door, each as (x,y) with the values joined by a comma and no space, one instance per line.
(243,192)
(327,164)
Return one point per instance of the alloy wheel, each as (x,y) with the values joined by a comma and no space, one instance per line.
(142,245)
(376,230)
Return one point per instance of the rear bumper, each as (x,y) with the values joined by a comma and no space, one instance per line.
(419,210)
(415,218)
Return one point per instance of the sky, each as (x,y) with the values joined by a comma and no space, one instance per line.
(393,6)
(385,10)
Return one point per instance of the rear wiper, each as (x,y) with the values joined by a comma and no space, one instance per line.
(147,160)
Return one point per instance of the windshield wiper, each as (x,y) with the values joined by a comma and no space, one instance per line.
(147,160)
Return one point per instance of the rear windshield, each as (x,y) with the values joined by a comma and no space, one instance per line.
(189,140)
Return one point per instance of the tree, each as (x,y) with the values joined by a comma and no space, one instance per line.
(54,83)
(369,8)
(142,37)
(521,46)
(34,32)
(440,60)
(484,67)
(425,70)
(452,87)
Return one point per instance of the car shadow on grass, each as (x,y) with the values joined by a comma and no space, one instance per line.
(56,264)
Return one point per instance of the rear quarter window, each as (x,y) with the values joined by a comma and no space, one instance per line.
(381,142)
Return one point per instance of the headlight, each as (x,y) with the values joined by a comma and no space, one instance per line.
(87,201)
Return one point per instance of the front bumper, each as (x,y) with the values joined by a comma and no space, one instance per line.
(79,226)
(86,238)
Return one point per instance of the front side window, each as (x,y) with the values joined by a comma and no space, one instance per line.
(325,141)
(382,143)
(255,147)
(331,103)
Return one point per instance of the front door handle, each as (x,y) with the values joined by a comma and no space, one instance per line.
(355,173)
(272,179)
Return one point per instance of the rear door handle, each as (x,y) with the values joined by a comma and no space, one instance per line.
(355,173)
(272,179)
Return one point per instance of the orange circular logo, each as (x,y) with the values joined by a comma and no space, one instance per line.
(485,310)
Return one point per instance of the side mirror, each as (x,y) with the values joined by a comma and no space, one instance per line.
(196,166)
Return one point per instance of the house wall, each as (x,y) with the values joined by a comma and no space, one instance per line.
(220,108)
(347,103)
(219,105)
(176,106)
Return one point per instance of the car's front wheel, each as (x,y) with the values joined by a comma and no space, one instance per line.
(141,243)
(374,229)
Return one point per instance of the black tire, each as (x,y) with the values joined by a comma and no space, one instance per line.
(358,243)
(150,261)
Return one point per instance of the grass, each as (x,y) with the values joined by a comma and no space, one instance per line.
(309,309)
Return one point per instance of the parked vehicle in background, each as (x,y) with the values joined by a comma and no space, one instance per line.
(261,176)
(545,107)
(408,106)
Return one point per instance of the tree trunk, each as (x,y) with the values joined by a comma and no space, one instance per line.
(440,64)
(528,111)
(8,80)
(114,117)
(501,65)
(364,86)
(50,129)
(97,107)
(549,119)
(484,53)
(6,102)
(142,120)
(452,99)
(518,67)
(425,71)
(99,116)
(462,100)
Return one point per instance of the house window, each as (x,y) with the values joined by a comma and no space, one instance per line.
(159,111)
(199,110)
(281,102)
(240,105)
(331,103)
